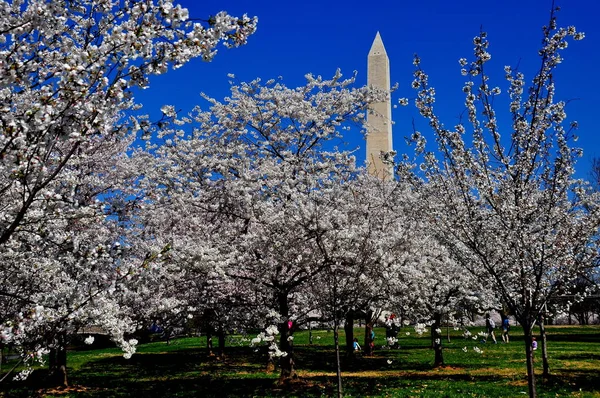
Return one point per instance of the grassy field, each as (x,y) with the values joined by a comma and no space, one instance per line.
(182,369)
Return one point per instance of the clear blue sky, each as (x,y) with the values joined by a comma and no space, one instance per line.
(298,37)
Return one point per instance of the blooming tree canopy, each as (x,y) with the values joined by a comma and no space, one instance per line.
(68,72)
(258,167)
(507,205)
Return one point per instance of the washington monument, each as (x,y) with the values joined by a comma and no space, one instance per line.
(379,118)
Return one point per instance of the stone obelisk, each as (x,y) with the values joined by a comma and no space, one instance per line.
(379,118)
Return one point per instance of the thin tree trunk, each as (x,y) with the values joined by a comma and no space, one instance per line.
(437,340)
(336,339)
(368,348)
(369,343)
(529,352)
(546,367)
(209,342)
(336,335)
(349,329)
(11,370)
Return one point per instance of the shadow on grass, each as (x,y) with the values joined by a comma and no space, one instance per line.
(217,386)
(579,338)
(584,356)
(191,373)
(436,385)
(323,360)
(199,386)
(573,380)
(185,364)
(103,383)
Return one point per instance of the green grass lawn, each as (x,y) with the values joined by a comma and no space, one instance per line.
(183,369)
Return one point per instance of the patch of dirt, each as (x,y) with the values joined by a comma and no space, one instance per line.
(452,368)
(65,390)
(518,383)
(444,370)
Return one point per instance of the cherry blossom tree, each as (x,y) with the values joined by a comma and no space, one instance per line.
(367,243)
(408,270)
(60,268)
(360,240)
(259,168)
(435,284)
(68,71)
(508,206)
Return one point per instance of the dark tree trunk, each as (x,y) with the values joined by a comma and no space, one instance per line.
(221,334)
(582,317)
(546,367)
(209,342)
(287,363)
(286,344)
(349,329)
(529,353)
(207,322)
(57,361)
(336,339)
(436,337)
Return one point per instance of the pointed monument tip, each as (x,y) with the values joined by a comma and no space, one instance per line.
(377,38)
(377,47)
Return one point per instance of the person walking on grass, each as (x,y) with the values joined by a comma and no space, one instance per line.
(505,329)
(490,325)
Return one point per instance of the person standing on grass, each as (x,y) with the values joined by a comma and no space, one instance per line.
(388,327)
(490,325)
(505,329)
(372,342)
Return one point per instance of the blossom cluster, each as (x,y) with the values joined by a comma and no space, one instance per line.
(268,337)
